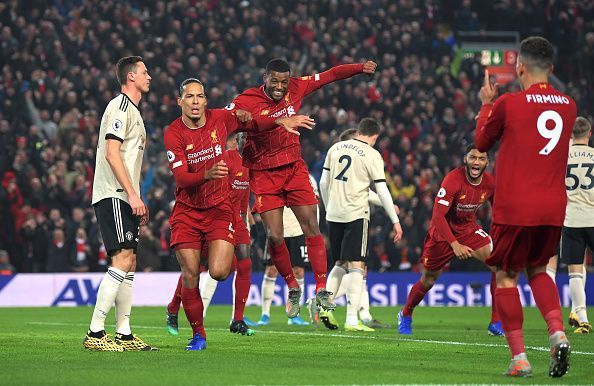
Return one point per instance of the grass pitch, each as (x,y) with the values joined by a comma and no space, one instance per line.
(449,345)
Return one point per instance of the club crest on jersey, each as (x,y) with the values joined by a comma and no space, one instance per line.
(264,112)
(213,136)
(287,98)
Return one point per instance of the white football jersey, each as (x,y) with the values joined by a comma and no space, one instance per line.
(121,121)
(579,182)
(352,167)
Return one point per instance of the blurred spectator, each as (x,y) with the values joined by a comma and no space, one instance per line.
(58,255)
(5,267)
(148,251)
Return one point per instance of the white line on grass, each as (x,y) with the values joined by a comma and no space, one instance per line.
(333,335)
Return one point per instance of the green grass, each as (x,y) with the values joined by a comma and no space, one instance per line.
(43,346)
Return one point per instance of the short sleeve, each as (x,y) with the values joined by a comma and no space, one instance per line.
(376,169)
(174,146)
(118,121)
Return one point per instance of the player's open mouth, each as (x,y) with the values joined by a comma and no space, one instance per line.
(195,111)
(475,171)
(277,94)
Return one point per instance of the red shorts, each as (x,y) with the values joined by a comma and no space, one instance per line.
(242,234)
(193,227)
(519,247)
(437,254)
(286,185)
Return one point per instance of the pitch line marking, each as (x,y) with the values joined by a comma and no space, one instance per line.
(430,341)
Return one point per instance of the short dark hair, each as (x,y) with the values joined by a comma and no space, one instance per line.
(278,65)
(581,127)
(472,146)
(347,134)
(536,52)
(124,66)
(186,82)
(368,127)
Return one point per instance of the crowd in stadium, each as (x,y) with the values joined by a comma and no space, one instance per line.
(58,75)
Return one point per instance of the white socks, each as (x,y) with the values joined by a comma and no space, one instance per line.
(578,296)
(354,296)
(301,283)
(552,272)
(123,305)
(334,279)
(364,313)
(268,284)
(207,286)
(106,295)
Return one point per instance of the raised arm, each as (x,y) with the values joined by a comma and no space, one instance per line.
(309,84)
(490,119)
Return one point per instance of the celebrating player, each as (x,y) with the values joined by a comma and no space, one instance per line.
(534,126)
(349,170)
(242,264)
(118,206)
(278,174)
(203,212)
(454,232)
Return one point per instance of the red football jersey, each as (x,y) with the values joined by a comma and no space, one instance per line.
(266,150)
(239,179)
(199,149)
(456,203)
(535,127)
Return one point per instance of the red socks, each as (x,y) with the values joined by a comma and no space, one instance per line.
(547,300)
(316,250)
(417,293)
(282,261)
(494,313)
(194,308)
(512,318)
(242,286)
(173,306)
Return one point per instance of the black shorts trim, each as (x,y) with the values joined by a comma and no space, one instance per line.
(119,227)
(574,242)
(348,241)
(298,251)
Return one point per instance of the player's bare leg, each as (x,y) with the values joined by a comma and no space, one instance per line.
(273,222)
(220,257)
(546,298)
(494,328)
(189,262)
(415,296)
(316,248)
(242,289)
(578,297)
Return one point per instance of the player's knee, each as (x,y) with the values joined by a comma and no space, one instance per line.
(218,273)
(190,279)
(271,271)
(428,281)
(311,228)
(275,238)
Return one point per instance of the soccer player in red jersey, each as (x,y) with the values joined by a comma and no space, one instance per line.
(203,212)
(242,264)
(455,232)
(278,174)
(534,126)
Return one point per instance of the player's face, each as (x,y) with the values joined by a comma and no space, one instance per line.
(476,163)
(277,84)
(141,78)
(193,101)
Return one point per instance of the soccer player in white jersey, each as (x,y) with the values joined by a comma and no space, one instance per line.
(578,227)
(338,278)
(118,205)
(350,168)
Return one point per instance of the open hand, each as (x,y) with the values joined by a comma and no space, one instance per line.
(290,124)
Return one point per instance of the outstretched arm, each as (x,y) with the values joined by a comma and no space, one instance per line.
(309,84)
(489,125)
